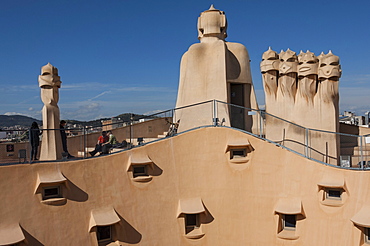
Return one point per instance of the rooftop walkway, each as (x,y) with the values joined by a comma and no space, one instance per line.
(354,152)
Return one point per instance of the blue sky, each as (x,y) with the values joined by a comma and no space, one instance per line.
(118,56)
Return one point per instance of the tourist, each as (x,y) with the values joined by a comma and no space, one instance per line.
(99,145)
(111,143)
(34,139)
(64,139)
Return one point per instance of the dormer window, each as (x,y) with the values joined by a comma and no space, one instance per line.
(362,220)
(289,211)
(192,211)
(102,222)
(239,152)
(332,191)
(51,185)
(140,169)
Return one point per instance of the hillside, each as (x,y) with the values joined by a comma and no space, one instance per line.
(12,120)
(25,121)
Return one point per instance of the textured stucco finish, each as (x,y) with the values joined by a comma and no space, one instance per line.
(240,199)
(303,89)
(49,82)
(206,71)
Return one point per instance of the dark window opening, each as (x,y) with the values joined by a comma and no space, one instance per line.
(140,171)
(367,235)
(10,148)
(290,221)
(237,153)
(103,233)
(191,222)
(51,192)
(335,194)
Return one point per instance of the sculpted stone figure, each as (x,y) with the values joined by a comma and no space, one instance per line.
(304,91)
(307,74)
(270,69)
(215,69)
(287,74)
(49,82)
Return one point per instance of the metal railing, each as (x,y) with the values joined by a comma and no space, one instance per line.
(330,148)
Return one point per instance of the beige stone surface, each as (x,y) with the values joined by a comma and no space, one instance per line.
(103,217)
(10,234)
(241,199)
(303,89)
(238,198)
(207,71)
(49,82)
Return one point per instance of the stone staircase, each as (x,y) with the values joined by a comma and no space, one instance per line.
(146,140)
(87,150)
(354,151)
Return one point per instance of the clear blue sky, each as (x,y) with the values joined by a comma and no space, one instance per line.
(118,56)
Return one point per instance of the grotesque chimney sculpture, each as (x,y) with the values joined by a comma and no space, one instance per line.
(49,82)
(215,69)
(303,89)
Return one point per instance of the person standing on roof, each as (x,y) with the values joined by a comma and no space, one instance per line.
(34,139)
(64,138)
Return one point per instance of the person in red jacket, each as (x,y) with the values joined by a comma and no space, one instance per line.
(101,140)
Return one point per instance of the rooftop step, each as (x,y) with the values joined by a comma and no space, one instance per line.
(355,150)
(87,150)
(163,135)
(145,140)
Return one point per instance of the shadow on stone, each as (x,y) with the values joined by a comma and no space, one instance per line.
(29,239)
(157,171)
(126,233)
(74,193)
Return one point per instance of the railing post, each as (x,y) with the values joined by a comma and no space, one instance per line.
(84,141)
(361,153)
(261,121)
(131,118)
(215,119)
(30,145)
(306,143)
